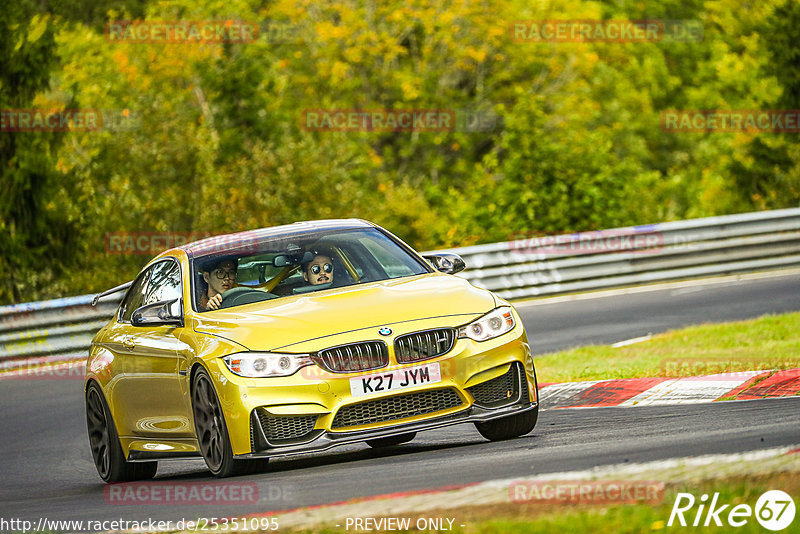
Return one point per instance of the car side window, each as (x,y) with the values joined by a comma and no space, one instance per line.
(160,282)
(164,283)
(134,297)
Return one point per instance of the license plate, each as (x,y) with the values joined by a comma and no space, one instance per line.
(394,380)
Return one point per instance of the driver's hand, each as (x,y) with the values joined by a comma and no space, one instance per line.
(214,302)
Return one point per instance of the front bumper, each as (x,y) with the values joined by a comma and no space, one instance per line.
(502,396)
(327,440)
(317,399)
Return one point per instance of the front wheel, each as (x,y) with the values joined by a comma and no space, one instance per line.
(104,443)
(212,433)
(509,427)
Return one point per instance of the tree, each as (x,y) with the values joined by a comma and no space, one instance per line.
(768,177)
(35,238)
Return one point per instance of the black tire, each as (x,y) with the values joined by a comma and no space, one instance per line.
(104,443)
(391,441)
(212,432)
(509,427)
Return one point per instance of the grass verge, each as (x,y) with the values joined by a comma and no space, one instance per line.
(535,518)
(769,342)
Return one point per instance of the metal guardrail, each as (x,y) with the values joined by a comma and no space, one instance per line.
(62,329)
(635,255)
(50,330)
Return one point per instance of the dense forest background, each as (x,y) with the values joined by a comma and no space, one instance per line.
(208,138)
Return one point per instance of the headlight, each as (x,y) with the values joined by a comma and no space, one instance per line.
(265,364)
(495,323)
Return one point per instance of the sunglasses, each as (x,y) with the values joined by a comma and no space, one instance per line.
(222,274)
(327,267)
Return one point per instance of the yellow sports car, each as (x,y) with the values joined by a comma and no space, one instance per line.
(299,338)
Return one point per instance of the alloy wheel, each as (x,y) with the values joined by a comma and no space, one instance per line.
(99,439)
(207,419)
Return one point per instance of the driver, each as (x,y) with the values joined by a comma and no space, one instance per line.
(219,276)
(319,270)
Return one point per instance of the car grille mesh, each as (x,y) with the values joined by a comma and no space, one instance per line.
(501,390)
(396,407)
(280,427)
(424,345)
(354,357)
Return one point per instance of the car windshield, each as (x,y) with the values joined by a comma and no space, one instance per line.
(246,270)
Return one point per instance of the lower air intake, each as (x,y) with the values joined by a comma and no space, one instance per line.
(501,390)
(396,407)
(284,427)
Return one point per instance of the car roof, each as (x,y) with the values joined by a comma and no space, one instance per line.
(210,244)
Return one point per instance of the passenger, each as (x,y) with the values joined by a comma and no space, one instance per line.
(219,276)
(319,270)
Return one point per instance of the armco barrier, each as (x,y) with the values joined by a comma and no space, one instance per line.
(667,251)
(62,329)
(51,330)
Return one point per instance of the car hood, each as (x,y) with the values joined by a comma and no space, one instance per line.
(275,324)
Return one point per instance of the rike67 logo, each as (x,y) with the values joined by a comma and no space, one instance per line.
(774,510)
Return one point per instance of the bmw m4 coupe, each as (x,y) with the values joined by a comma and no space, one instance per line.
(295,339)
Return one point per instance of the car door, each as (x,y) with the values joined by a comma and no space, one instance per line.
(117,339)
(152,386)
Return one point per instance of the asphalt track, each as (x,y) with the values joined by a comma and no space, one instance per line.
(47,469)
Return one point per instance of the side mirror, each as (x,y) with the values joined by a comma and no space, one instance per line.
(447,263)
(163,313)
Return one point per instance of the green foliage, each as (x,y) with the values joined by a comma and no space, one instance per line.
(34,237)
(92,13)
(210,137)
(770,174)
(783,29)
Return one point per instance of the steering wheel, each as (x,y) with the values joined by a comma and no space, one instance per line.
(243,295)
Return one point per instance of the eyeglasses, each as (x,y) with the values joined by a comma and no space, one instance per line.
(317,268)
(222,274)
